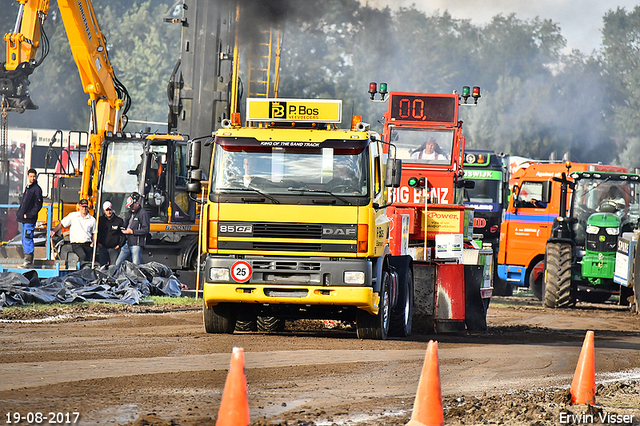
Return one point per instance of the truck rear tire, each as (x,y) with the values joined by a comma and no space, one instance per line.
(558,289)
(270,324)
(219,319)
(246,325)
(376,326)
(402,313)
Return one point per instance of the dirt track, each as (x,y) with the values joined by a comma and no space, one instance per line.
(122,365)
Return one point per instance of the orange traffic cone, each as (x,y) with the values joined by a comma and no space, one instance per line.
(583,387)
(427,408)
(234,407)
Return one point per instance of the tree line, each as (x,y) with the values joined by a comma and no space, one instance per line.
(537,100)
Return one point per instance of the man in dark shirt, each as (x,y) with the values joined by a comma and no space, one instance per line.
(110,237)
(136,224)
(28,214)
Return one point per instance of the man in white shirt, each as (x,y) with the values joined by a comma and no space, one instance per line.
(430,150)
(81,226)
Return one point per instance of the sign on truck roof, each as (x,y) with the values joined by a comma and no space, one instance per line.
(302,110)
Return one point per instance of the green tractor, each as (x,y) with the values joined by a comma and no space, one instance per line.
(581,252)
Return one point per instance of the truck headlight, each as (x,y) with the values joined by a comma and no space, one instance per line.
(219,274)
(354,277)
(613,231)
(593,229)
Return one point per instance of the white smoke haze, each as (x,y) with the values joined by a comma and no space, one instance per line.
(580,20)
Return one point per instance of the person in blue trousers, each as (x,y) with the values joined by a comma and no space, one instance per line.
(28,214)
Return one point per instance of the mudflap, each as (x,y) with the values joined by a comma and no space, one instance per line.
(439,298)
(475,314)
(424,279)
(450,298)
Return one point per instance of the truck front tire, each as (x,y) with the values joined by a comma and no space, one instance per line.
(376,326)
(219,318)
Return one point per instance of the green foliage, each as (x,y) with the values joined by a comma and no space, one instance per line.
(537,100)
(621,63)
(142,50)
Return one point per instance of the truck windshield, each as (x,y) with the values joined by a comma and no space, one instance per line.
(417,145)
(485,191)
(276,170)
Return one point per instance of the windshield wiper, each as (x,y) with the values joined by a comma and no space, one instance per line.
(319,191)
(252,189)
(596,185)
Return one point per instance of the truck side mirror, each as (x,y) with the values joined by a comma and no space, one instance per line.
(515,192)
(394,173)
(194,186)
(193,158)
(546,191)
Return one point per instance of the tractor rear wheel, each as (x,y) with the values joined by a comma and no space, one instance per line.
(558,289)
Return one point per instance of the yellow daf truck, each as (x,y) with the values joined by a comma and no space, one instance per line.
(294,223)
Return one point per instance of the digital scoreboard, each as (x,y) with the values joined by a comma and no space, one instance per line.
(423,108)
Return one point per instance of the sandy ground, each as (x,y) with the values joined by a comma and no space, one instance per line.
(150,365)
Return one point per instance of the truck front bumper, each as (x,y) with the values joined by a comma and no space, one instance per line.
(513,274)
(291,281)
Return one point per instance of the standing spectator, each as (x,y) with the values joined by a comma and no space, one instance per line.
(28,214)
(110,237)
(81,226)
(136,224)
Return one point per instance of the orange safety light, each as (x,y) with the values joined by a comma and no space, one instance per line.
(355,120)
(213,235)
(363,238)
(235,119)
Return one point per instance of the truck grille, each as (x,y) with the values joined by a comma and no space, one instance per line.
(254,237)
(270,265)
(287,230)
(258,245)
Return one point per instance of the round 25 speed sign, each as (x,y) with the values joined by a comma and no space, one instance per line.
(241,271)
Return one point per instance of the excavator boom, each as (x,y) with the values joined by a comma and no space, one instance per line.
(22,45)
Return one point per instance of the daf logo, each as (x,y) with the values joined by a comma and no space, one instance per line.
(338,231)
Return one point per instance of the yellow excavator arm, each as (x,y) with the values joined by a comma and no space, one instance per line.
(108,98)
(22,45)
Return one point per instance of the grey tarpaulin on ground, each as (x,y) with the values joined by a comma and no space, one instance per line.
(128,285)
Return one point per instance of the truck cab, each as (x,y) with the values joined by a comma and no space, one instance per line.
(488,198)
(295,223)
